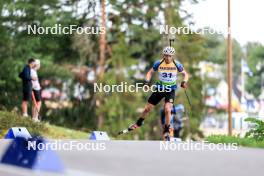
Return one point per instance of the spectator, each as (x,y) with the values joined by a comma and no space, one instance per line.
(27,86)
(36,91)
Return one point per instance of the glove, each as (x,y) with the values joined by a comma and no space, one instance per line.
(184,84)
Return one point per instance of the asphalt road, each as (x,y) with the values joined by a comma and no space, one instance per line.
(130,158)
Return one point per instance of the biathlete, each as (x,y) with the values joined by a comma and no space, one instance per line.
(168,70)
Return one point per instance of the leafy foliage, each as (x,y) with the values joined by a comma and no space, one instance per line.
(224,139)
(254,84)
(257,132)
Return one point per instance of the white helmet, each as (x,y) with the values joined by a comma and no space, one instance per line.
(169,51)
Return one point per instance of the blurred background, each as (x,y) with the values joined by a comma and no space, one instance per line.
(71,64)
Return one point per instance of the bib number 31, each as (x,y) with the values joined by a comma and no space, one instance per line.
(165,75)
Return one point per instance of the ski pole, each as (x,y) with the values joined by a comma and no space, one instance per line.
(188,99)
(171,40)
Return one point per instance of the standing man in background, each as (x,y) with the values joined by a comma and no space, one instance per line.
(25,75)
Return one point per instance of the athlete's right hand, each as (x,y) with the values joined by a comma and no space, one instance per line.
(147,83)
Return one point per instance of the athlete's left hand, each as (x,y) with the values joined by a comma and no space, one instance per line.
(184,84)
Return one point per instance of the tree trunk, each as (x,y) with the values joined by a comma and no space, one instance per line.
(102,44)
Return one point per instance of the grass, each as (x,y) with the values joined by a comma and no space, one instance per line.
(246,142)
(8,120)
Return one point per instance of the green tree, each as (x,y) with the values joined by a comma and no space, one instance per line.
(255,57)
